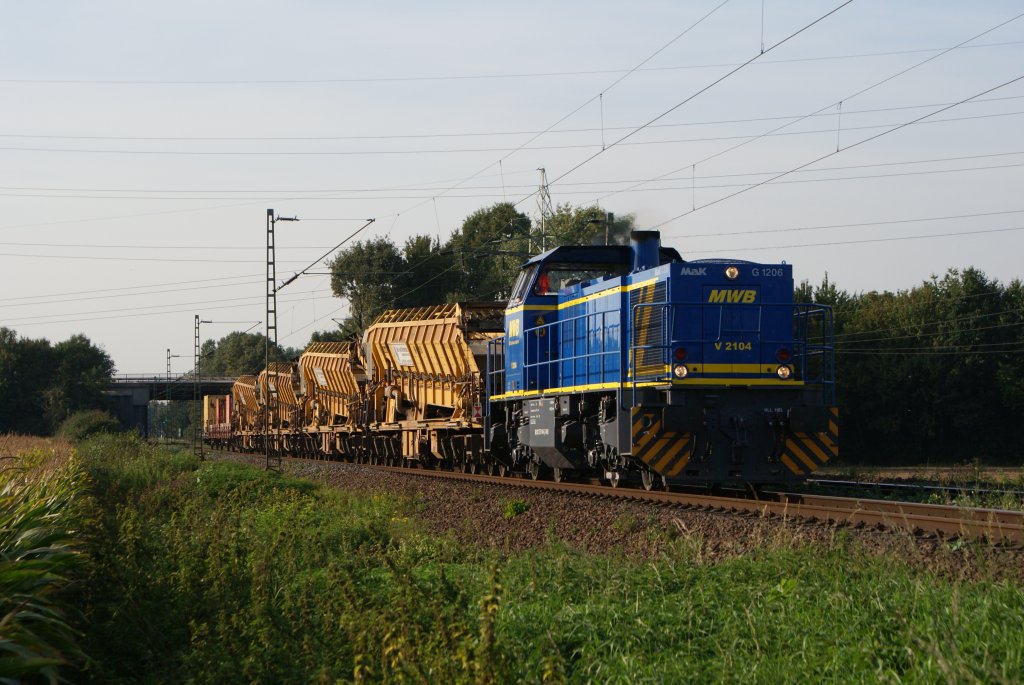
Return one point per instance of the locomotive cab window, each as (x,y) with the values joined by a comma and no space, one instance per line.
(522,284)
(555,277)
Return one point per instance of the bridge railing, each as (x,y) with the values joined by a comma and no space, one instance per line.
(137,378)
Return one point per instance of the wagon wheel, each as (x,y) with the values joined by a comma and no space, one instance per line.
(558,474)
(502,470)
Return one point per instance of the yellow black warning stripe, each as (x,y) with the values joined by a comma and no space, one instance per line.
(805,453)
(665,451)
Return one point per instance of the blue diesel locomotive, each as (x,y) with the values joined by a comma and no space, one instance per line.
(630,362)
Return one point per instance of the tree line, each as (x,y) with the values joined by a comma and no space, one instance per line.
(41,384)
(933,373)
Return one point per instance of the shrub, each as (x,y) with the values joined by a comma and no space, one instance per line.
(515,507)
(85,424)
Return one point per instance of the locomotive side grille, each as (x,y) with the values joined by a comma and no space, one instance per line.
(649,334)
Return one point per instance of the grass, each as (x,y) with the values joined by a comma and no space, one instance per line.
(217,572)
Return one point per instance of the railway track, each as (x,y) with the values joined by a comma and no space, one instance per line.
(887,488)
(993,525)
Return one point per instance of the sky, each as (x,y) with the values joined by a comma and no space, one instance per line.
(879,143)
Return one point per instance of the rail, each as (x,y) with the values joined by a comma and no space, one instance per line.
(994,525)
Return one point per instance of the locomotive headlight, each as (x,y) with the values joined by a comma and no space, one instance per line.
(732,273)
(680,371)
(784,372)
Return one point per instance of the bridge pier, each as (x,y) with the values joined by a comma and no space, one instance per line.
(130,395)
(131,405)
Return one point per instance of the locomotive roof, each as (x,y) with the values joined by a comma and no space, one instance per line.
(600,254)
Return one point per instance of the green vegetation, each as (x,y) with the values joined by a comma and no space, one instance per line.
(218,572)
(85,424)
(515,507)
(240,354)
(42,384)
(933,374)
(40,515)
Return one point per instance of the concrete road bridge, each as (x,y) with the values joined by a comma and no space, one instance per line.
(131,393)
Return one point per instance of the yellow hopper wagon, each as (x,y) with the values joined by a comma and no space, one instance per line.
(332,386)
(425,369)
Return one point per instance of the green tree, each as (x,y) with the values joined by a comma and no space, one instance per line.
(42,384)
(239,354)
(366,275)
(571,225)
(425,279)
(26,369)
(81,374)
(487,250)
(336,335)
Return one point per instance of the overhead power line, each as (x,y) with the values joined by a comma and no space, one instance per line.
(477,134)
(696,94)
(129,287)
(446,151)
(839,150)
(590,100)
(300,192)
(490,192)
(835,104)
(468,77)
(836,243)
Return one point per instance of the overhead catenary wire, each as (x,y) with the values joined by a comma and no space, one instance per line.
(841,150)
(324,191)
(590,100)
(19,320)
(326,254)
(468,77)
(446,151)
(861,241)
(690,97)
(858,93)
(478,134)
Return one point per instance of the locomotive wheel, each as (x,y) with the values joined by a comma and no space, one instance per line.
(534,470)
(648,478)
(502,470)
(614,477)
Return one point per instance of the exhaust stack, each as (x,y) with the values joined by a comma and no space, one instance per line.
(645,247)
